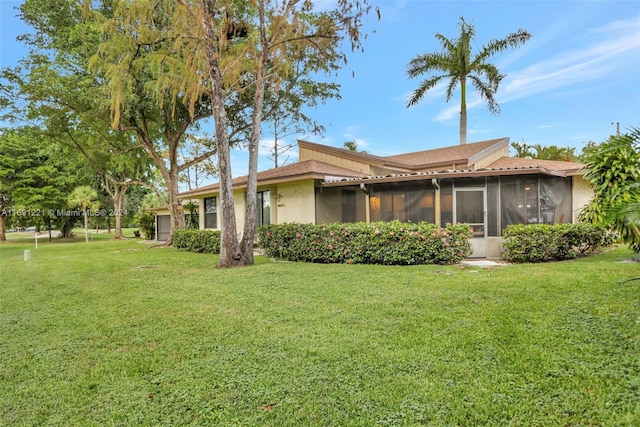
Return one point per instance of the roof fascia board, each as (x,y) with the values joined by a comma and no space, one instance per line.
(451,174)
(489,150)
(215,189)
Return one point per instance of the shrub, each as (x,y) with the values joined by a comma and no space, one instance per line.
(542,242)
(147,223)
(390,243)
(201,241)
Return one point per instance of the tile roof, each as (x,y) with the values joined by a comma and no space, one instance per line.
(453,154)
(458,154)
(550,165)
(462,156)
(306,169)
(502,166)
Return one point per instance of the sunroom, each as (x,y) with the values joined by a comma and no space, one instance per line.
(487,200)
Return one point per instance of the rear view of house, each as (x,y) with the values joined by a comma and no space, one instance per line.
(475,183)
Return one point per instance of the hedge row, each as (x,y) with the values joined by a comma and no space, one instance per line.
(543,242)
(389,243)
(202,241)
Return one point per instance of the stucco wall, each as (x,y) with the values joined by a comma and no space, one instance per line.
(292,202)
(581,195)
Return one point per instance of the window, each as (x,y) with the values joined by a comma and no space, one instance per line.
(535,200)
(210,213)
(412,202)
(446,201)
(348,206)
(263,208)
(493,206)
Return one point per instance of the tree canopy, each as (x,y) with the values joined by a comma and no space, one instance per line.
(226,55)
(612,169)
(550,152)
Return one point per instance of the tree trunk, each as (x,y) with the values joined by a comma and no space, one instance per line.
(230,253)
(463,127)
(463,110)
(248,234)
(86,225)
(118,203)
(176,212)
(3,234)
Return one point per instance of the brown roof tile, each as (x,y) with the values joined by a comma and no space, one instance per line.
(550,165)
(452,154)
(300,170)
(458,154)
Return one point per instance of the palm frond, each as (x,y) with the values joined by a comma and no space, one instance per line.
(487,92)
(422,89)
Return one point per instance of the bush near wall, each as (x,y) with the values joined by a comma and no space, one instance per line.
(201,241)
(147,223)
(543,242)
(390,243)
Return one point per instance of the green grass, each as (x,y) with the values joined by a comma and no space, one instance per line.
(119,333)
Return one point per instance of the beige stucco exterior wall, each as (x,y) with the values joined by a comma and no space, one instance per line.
(292,202)
(581,195)
(201,213)
(493,247)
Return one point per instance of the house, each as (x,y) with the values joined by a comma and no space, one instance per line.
(476,183)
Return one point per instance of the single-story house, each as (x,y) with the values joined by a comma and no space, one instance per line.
(163,219)
(476,183)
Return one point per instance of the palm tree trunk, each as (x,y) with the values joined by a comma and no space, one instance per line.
(463,111)
(86,226)
(463,127)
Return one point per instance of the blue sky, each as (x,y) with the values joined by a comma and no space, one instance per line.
(569,84)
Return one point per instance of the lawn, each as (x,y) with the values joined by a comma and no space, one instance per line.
(120,333)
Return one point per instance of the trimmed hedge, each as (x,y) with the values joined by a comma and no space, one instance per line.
(543,242)
(201,241)
(389,243)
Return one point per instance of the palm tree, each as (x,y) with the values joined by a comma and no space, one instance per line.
(351,145)
(85,197)
(456,63)
(626,219)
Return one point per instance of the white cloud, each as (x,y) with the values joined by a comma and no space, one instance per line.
(266,149)
(610,53)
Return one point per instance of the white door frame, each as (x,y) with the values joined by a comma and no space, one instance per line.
(479,238)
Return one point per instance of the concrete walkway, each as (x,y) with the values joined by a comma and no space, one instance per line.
(482,262)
